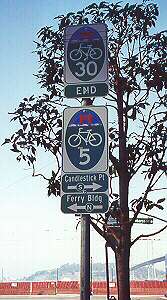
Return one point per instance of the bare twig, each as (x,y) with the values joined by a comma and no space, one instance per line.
(147,235)
(35,175)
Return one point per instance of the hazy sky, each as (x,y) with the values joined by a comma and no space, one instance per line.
(34,234)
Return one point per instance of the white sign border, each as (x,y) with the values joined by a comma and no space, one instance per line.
(69,78)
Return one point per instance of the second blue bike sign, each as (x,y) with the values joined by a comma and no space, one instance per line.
(85,139)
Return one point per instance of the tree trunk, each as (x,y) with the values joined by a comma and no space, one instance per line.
(122,256)
(122,252)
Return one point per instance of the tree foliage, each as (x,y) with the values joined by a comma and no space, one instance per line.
(137,59)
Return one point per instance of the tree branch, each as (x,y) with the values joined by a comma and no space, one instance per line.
(147,235)
(111,237)
(160,189)
(35,175)
(115,162)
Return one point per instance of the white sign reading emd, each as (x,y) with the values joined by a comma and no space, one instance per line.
(85,90)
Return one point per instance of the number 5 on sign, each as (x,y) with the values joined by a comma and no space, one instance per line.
(84,155)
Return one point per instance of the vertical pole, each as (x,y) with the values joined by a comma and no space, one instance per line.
(2,274)
(85,258)
(91,275)
(85,245)
(112,274)
(166,267)
(31,288)
(57,278)
(107,272)
(57,274)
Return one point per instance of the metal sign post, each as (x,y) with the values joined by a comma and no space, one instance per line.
(85,287)
(85,249)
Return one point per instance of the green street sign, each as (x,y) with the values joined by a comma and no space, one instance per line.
(84,192)
(84,203)
(84,182)
(86,90)
(85,60)
(144,221)
(111,222)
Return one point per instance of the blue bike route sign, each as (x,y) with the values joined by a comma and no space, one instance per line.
(85,139)
(85,61)
(84,180)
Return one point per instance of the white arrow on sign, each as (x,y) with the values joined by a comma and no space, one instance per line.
(76,207)
(94,186)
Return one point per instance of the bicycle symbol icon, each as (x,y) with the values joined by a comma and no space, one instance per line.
(86,57)
(94,139)
(86,52)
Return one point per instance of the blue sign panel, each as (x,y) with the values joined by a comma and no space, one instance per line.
(86,60)
(85,139)
(85,53)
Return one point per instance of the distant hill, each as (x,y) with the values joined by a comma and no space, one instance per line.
(69,272)
(72,272)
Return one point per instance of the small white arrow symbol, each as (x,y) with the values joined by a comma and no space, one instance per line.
(94,186)
(76,207)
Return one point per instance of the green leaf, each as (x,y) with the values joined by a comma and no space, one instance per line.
(156,10)
(70,14)
(93,5)
(103,4)
(15,150)
(133,115)
(159,206)
(142,105)
(6,141)
(161,200)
